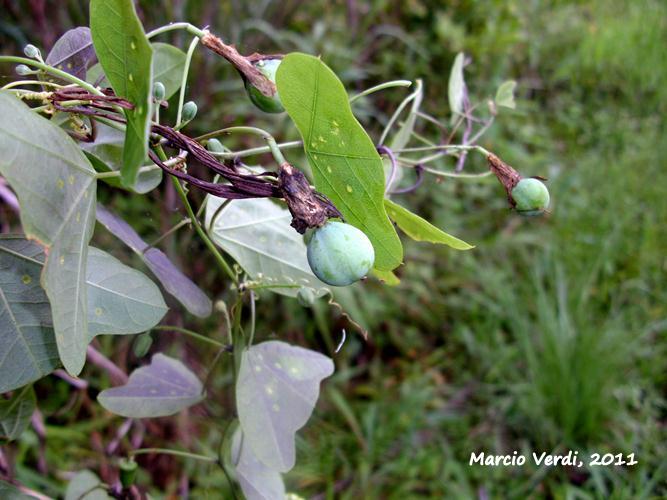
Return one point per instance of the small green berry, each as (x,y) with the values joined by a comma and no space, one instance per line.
(159,91)
(268,68)
(32,52)
(142,345)
(189,111)
(340,254)
(215,146)
(24,70)
(531,197)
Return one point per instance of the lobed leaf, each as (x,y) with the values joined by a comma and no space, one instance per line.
(346,167)
(56,187)
(126,57)
(173,280)
(276,390)
(15,413)
(421,230)
(163,388)
(257,234)
(257,481)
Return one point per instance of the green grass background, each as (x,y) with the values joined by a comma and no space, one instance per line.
(549,336)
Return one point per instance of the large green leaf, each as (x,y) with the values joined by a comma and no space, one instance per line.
(15,413)
(257,481)
(163,388)
(126,57)
(258,235)
(346,167)
(27,346)
(168,66)
(276,390)
(422,230)
(56,186)
(121,300)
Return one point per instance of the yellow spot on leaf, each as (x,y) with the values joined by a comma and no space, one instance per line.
(98,311)
(26,279)
(62,260)
(60,183)
(349,188)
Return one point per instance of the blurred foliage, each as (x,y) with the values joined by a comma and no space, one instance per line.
(550,335)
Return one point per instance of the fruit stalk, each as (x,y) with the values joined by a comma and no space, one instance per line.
(242,63)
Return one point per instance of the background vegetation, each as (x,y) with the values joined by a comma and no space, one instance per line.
(549,336)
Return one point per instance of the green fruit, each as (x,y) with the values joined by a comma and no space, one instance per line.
(340,254)
(268,68)
(159,91)
(215,146)
(531,197)
(189,111)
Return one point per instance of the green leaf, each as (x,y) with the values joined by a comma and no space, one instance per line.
(401,139)
(85,485)
(173,280)
(106,155)
(168,66)
(276,390)
(121,300)
(163,388)
(346,167)
(505,94)
(56,186)
(73,52)
(456,87)
(27,345)
(258,235)
(257,481)
(421,230)
(387,277)
(11,492)
(15,413)
(126,57)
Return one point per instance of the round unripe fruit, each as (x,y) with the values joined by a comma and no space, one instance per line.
(531,197)
(24,70)
(340,254)
(189,111)
(159,91)
(268,68)
(32,52)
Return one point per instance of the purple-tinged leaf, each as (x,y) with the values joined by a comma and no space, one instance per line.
(257,481)
(163,388)
(173,280)
(73,52)
(276,391)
